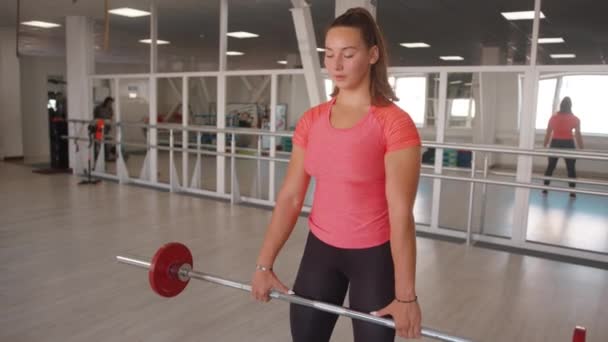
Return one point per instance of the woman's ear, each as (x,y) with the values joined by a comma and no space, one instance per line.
(374,54)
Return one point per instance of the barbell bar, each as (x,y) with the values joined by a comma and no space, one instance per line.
(170,270)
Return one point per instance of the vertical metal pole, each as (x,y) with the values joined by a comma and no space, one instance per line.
(185,133)
(258,173)
(171,160)
(484,189)
(440,122)
(471,202)
(233,177)
(273,143)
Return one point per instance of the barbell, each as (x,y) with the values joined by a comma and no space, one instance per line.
(170,270)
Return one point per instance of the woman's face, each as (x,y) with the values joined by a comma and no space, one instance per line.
(347,59)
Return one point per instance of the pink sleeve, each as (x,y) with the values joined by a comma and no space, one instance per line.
(400,132)
(300,135)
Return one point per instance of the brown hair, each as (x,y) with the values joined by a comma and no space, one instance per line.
(381,91)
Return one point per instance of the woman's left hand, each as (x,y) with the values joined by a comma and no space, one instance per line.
(407,318)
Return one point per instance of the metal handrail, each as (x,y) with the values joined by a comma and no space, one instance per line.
(469,147)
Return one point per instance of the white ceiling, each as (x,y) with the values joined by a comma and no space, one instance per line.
(451,27)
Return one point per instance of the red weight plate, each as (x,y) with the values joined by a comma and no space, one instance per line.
(580,334)
(163,269)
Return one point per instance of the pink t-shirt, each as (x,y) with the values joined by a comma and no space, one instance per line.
(349,208)
(563,124)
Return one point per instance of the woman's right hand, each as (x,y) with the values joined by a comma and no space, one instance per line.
(263,282)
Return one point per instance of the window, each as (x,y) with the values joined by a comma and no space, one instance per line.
(589,101)
(411,92)
(464,108)
(546,100)
(329,88)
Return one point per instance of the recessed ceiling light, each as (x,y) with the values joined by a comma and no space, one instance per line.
(456,82)
(158,41)
(468,84)
(415,45)
(550,40)
(40,24)
(234,53)
(451,58)
(320,50)
(563,55)
(521,15)
(242,35)
(282,62)
(129,12)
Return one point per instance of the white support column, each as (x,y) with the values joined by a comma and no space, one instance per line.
(13,124)
(185,134)
(440,124)
(305,32)
(343,5)
(153,103)
(221,100)
(273,144)
(80,64)
(527,137)
(121,167)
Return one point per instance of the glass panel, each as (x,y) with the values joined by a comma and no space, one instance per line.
(193,44)
(125,53)
(588,94)
(102,89)
(292,93)
(411,91)
(555,217)
(253,38)
(424,200)
(247,107)
(134,108)
(202,111)
(482,108)
(573,32)
(170,111)
(546,101)
(462,33)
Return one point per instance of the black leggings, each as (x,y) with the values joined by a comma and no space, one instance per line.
(570,163)
(325,274)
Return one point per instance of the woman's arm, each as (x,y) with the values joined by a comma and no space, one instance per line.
(402,174)
(548,134)
(578,136)
(287,209)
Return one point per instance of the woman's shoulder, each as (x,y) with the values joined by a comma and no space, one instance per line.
(390,114)
(313,113)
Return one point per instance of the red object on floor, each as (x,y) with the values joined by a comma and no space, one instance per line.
(580,334)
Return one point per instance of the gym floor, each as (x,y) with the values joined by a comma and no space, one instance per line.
(60,281)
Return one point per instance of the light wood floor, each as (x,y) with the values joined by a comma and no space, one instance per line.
(59,280)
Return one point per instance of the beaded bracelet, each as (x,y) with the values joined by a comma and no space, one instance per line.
(262,268)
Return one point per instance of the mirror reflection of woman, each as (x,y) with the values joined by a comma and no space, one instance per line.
(563,131)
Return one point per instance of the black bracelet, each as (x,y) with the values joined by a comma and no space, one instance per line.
(407,301)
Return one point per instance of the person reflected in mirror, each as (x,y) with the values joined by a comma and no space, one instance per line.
(563,132)
(105,111)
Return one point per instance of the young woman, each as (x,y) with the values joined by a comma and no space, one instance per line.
(560,135)
(364,153)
